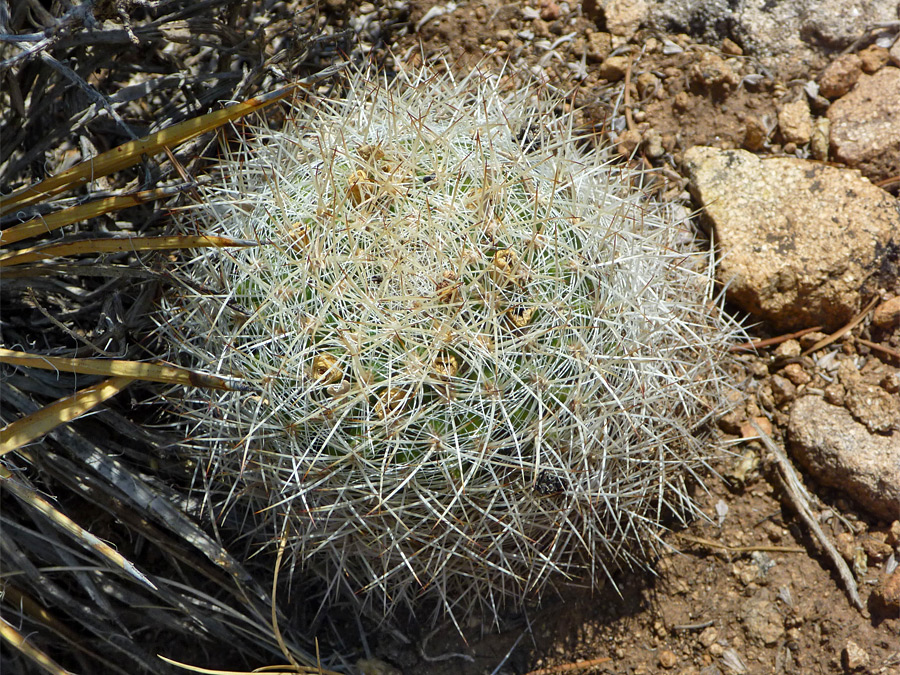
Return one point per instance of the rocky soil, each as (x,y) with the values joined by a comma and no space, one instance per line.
(780,124)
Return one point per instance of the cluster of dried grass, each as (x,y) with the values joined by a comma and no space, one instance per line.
(104,561)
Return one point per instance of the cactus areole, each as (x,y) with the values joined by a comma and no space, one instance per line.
(483,358)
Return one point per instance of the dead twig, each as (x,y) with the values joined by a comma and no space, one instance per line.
(878,347)
(755,345)
(742,549)
(629,120)
(797,495)
(570,667)
(837,335)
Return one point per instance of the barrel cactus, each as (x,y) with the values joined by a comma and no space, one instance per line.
(482,359)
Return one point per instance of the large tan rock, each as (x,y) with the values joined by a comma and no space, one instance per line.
(865,125)
(840,452)
(797,238)
(623,17)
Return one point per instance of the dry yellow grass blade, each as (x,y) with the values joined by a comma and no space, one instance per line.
(269,670)
(53,221)
(88,540)
(16,434)
(135,370)
(20,643)
(117,245)
(129,154)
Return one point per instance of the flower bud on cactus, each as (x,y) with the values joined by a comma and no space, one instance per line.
(484,359)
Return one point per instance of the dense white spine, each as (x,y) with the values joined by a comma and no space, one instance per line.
(484,358)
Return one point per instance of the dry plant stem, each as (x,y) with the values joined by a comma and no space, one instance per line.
(768,342)
(136,370)
(71,75)
(143,497)
(837,335)
(88,540)
(888,182)
(741,549)
(44,224)
(629,118)
(16,434)
(797,495)
(275,629)
(92,93)
(570,667)
(14,597)
(116,245)
(269,670)
(94,349)
(129,154)
(880,348)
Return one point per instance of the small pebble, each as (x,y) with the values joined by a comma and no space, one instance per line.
(819,141)
(709,636)
(887,314)
(795,122)
(755,134)
(840,76)
(854,657)
(667,659)
(628,142)
(894,52)
(783,390)
(550,12)
(795,373)
(893,537)
(788,349)
(614,68)
(888,592)
(891,383)
(874,58)
(876,547)
(731,48)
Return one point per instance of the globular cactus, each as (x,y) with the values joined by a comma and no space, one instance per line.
(484,360)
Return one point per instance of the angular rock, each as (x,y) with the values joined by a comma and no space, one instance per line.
(840,76)
(865,125)
(797,238)
(874,58)
(614,68)
(873,406)
(854,657)
(840,452)
(782,32)
(713,72)
(819,143)
(795,122)
(887,594)
(599,45)
(887,314)
(623,17)
(762,621)
(835,24)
